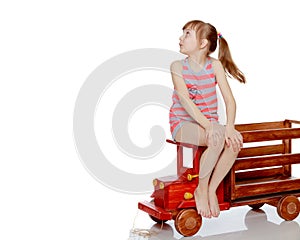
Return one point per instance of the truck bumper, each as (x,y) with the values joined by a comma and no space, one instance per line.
(154,211)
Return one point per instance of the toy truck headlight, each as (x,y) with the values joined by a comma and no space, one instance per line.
(154,182)
(188,196)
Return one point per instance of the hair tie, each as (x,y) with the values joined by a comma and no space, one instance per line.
(219,35)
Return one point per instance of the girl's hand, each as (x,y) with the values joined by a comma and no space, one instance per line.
(214,133)
(233,138)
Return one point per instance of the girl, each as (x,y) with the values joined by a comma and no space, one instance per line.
(193,115)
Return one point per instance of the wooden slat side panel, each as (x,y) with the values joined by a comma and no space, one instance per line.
(261,150)
(270,135)
(266,161)
(262,188)
(292,121)
(260,173)
(287,149)
(259,126)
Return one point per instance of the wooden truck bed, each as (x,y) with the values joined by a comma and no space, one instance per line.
(262,171)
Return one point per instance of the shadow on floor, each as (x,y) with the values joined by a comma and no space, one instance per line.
(256,222)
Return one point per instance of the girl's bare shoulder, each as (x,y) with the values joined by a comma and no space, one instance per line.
(217,65)
(215,62)
(176,66)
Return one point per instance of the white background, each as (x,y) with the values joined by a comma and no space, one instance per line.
(48,49)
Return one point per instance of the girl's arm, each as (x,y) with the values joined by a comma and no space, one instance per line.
(183,94)
(226,92)
(231,135)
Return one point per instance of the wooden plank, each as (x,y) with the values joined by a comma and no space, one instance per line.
(269,199)
(260,173)
(259,126)
(270,135)
(287,149)
(266,161)
(261,150)
(293,121)
(267,187)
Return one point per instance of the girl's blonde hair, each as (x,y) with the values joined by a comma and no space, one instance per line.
(209,32)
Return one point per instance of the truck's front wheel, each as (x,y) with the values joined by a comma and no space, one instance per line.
(188,222)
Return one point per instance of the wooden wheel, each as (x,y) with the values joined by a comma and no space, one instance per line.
(288,207)
(188,222)
(256,206)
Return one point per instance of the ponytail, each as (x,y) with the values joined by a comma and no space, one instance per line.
(209,32)
(225,58)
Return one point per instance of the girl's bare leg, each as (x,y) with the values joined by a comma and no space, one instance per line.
(194,134)
(223,166)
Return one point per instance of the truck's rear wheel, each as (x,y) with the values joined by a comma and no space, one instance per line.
(188,222)
(288,207)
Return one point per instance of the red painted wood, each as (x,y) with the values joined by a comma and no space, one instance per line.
(192,204)
(155,211)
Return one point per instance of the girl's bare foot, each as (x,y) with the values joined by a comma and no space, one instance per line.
(201,199)
(213,204)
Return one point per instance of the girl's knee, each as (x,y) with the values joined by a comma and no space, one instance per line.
(218,145)
(221,140)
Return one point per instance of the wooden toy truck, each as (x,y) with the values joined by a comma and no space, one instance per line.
(261,174)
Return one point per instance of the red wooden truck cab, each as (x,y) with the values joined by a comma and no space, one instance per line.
(261,174)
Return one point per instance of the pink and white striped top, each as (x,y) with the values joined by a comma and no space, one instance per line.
(202,91)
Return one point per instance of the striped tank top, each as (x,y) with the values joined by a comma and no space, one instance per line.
(202,91)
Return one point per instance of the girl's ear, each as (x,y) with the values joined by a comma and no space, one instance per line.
(203,43)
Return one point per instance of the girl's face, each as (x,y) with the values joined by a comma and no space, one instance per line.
(188,41)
